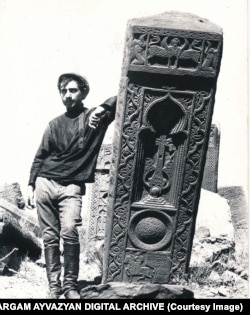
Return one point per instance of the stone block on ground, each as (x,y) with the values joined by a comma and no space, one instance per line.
(116,290)
(12,234)
(17,231)
(236,198)
(214,235)
(214,215)
(12,193)
(10,212)
(214,256)
(91,261)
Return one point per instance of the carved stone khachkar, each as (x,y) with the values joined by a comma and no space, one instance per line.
(100,188)
(99,194)
(163,120)
(210,176)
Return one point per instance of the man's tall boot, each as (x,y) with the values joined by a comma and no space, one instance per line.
(53,268)
(71,270)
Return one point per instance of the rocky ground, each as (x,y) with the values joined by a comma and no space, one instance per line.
(211,281)
(30,282)
(218,267)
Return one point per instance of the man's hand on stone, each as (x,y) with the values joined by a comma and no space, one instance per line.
(96,116)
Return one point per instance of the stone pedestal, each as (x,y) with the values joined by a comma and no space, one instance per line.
(165,105)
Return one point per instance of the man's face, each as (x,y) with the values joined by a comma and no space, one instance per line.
(71,94)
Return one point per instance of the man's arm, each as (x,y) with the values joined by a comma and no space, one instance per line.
(41,154)
(103,111)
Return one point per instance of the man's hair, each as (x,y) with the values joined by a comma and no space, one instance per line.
(65,78)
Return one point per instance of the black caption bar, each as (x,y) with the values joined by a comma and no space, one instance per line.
(170,306)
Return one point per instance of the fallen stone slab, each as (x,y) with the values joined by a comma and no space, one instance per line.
(11,213)
(13,235)
(17,230)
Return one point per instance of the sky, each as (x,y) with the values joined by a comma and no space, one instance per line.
(40,39)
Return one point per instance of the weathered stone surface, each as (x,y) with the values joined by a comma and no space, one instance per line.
(104,158)
(214,236)
(179,20)
(12,234)
(99,195)
(214,259)
(116,290)
(164,110)
(100,188)
(214,215)
(12,193)
(18,236)
(91,261)
(212,255)
(210,175)
(11,213)
(236,198)
(211,250)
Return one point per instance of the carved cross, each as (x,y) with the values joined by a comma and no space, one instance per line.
(159,180)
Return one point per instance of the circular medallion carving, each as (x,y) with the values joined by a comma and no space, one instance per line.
(150,229)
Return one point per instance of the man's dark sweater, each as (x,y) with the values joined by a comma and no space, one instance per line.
(69,148)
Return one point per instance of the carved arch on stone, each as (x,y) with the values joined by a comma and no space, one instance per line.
(165,115)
